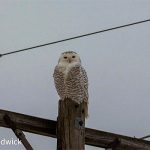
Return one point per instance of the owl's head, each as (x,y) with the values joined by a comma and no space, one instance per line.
(69,57)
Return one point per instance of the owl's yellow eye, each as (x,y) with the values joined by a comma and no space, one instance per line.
(65,57)
(73,56)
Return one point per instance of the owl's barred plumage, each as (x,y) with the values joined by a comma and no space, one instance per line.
(71,80)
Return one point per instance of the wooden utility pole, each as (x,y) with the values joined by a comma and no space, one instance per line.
(70,126)
(93,137)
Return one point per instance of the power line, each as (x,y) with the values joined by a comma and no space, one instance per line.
(75,37)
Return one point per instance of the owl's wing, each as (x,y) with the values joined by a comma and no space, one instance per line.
(85,83)
(77,84)
(59,82)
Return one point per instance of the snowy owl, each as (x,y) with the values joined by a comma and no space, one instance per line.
(71,80)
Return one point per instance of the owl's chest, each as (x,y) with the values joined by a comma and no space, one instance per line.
(68,70)
(64,70)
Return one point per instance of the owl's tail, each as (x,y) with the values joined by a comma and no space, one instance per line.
(86,109)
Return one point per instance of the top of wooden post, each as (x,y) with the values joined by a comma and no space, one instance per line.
(71,125)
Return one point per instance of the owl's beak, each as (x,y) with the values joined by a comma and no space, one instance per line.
(69,60)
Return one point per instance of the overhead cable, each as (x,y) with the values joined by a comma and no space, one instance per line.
(75,37)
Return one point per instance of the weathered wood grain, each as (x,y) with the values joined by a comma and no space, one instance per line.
(71,126)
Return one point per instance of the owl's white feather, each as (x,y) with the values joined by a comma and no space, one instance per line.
(71,80)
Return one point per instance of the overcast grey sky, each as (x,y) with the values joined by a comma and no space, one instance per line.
(117,62)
